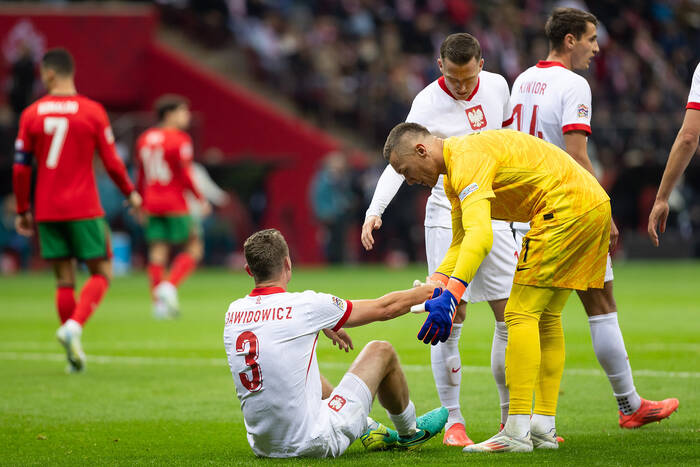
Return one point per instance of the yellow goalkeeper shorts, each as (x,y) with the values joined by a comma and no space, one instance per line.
(566,253)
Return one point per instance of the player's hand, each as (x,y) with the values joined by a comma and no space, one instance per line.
(24,224)
(614,235)
(341,338)
(371,223)
(438,324)
(206,208)
(134,201)
(435,284)
(658,217)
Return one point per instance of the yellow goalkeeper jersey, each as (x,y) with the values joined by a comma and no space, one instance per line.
(527,179)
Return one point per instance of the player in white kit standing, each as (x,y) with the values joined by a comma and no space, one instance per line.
(464,100)
(552,102)
(682,151)
(289,409)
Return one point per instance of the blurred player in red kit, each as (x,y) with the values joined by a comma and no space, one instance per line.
(164,155)
(61,131)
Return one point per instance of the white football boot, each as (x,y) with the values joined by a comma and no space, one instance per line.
(166,293)
(502,442)
(69,336)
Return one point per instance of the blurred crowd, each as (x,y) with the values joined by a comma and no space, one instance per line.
(357,64)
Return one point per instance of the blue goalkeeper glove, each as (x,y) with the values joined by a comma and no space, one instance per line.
(441,311)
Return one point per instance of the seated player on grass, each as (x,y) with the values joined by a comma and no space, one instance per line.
(289,409)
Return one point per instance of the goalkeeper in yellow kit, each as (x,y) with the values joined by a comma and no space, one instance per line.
(509,175)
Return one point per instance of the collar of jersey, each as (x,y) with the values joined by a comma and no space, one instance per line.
(441,82)
(265,291)
(546,64)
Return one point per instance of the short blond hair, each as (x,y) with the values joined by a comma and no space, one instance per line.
(265,252)
(394,140)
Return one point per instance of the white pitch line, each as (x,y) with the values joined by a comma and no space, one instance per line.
(200,361)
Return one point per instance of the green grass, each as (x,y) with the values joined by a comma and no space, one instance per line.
(162,393)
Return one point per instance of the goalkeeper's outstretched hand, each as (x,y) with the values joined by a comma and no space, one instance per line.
(441,311)
(438,324)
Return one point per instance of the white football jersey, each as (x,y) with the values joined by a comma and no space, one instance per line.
(549,100)
(694,96)
(443,115)
(270,339)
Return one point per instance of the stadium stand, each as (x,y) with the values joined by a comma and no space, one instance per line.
(351,68)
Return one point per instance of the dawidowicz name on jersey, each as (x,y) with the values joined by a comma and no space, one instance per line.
(254,316)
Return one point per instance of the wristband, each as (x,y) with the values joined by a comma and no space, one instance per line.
(439,277)
(457,287)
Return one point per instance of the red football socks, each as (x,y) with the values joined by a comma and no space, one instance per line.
(91,295)
(183,265)
(65,303)
(155,273)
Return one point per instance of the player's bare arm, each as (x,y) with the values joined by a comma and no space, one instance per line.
(682,151)
(576,145)
(389,306)
(371,223)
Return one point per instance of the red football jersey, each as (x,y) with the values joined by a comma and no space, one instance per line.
(164,157)
(62,132)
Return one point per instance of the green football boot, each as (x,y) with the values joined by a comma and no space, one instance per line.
(378,437)
(428,425)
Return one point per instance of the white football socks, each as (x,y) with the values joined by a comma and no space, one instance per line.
(447,371)
(609,348)
(518,426)
(405,422)
(542,423)
(498,366)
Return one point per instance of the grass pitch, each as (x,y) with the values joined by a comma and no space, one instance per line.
(161,392)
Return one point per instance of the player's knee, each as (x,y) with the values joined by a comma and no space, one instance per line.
(599,302)
(515,316)
(383,348)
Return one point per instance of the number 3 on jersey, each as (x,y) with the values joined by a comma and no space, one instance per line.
(252,383)
(58,127)
(518,115)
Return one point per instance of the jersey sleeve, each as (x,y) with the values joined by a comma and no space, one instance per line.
(576,107)
(328,312)
(387,187)
(507,107)
(22,167)
(472,236)
(108,153)
(186,152)
(694,96)
(470,173)
(140,174)
(421,111)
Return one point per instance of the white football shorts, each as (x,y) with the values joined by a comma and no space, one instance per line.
(494,278)
(342,420)
(520,234)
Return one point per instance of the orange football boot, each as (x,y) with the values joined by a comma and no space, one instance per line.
(456,435)
(649,411)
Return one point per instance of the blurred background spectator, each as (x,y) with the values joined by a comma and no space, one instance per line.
(332,200)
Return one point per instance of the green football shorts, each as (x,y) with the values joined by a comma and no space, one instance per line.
(82,238)
(170,229)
